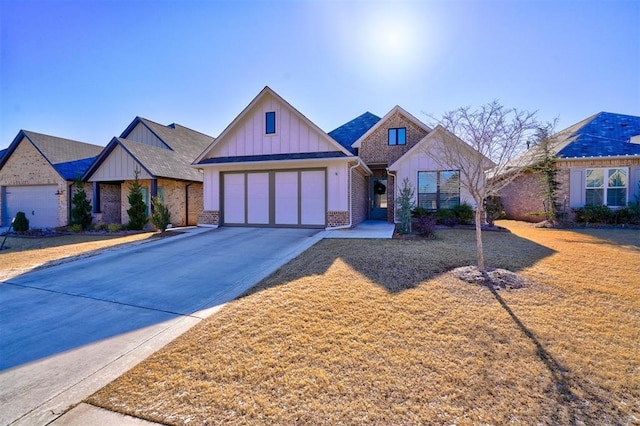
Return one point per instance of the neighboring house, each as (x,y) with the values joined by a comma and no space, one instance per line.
(162,156)
(598,164)
(37,174)
(272,166)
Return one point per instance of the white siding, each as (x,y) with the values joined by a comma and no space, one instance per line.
(293,134)
(119,165)
(211,188)
(142,134)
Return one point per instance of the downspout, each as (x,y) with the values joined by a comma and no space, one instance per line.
(350,197)
(186,203)
(395,181)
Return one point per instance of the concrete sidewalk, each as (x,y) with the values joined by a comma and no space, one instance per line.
(366,229)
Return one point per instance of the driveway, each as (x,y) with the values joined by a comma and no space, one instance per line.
(68,330)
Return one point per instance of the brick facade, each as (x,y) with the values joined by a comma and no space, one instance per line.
(335,218)
(359,197)
(27,166)
(209,217)
(376,152)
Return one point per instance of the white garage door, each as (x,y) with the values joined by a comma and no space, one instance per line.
(39,203)
(277,198)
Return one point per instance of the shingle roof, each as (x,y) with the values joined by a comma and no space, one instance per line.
(161,162)
(174,162)
(349,132)
(274,157)
(603,135)
(68,157)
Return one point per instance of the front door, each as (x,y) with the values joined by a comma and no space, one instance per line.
(378,197)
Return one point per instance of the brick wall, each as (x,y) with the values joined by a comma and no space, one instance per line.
(359,197)
(375,149)
(337,218)
(209,217)
(27,166)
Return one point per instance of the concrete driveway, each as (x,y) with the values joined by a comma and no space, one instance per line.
(68,330)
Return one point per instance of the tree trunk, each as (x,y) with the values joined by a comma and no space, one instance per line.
(479,249)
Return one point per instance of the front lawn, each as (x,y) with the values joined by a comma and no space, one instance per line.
(378,331)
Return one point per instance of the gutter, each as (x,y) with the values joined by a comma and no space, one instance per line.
(358,163)
(604,157)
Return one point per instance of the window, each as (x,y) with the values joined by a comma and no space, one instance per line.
(398,136)
(270,125)
(145,197)
(440,189)
(606,186)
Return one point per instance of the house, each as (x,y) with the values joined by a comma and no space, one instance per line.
(272,166)
(598,163)
(162,157)
(37,174)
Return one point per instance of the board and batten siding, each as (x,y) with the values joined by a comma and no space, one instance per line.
(142,134)
(292,135)
(119,165)
(337,183)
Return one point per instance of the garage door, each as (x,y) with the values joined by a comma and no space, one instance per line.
(276,198)
(39,203)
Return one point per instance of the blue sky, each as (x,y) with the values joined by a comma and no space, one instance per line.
(84,69)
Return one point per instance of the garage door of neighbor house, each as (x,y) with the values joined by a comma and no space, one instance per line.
(38,202)
(295,198)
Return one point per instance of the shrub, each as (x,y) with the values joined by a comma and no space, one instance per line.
(115,227)
(493,208)
(138,209)
(594,214)
(406,204)
(464,213)
(21,223)
(101,227)
(76,227)
(419,211)
(446,217)
(425,225)
(81,210)
(160,217)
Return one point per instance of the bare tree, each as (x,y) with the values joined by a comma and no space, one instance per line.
(484,144)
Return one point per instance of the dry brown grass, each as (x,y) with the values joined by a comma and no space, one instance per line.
(24,254)
(361,331)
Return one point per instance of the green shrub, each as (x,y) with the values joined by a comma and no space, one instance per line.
(137,207)
(21,223)
(160,217)
(464,213)
(76,227)
(81,210)
(115,227)
(419,211)
(494,209)
(101,227)
(594,214)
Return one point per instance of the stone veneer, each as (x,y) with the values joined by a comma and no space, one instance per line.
(209,217)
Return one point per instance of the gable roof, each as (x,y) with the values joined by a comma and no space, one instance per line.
(351,131)
(174,136)
(604,134)
(450,137)
(68,157)
(395,109)
(266,92)
(173,162)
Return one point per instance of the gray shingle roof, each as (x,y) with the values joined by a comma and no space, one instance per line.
(175,163)
(274,157)
(68,157)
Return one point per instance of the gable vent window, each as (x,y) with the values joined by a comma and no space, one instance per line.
(270,122)
(398,136)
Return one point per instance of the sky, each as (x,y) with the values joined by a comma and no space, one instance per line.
(83,70)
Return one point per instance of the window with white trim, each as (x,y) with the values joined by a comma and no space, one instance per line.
(607,187)
(439,189)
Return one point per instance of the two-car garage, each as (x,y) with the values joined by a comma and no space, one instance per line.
(288,198)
